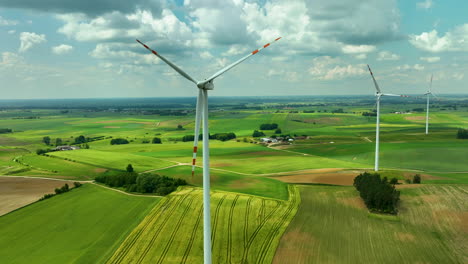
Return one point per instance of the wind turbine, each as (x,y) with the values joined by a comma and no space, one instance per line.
(429,92)
(202,109)
(379,94)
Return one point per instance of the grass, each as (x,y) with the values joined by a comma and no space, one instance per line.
(112,160)
(232,182)
(245,229)
(85,225)
(332,226)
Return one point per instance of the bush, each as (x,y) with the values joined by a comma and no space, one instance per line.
(118,141)
(156,140)
(188,138)
(462,133)
(129,168)
(5,130)
(394,181)
(77,184)
(257,133)
(417,179)
(42,151)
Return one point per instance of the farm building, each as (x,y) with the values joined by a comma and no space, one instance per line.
(60,148)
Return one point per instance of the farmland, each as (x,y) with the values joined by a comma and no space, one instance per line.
(256,187)
(173,233)
(81,226)
(432,222)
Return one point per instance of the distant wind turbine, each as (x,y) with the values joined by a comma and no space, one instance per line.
(379,94)
(202,109)
(427,94)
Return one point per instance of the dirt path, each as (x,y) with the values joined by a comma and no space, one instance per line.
(367,139)
(290,151)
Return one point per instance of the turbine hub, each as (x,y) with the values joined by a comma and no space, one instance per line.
(206,85)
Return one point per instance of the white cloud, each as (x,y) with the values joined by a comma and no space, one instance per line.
(352,49)
(430,59)
(206,55)
(235,50)
(425,5)
(29,39)
(406,67)
(6,22)
(455,40)
(361,56)
(11,32)
(62,49)
(387,56)
(328,68)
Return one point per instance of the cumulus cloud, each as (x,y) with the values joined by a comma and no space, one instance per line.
(89,7)
(62,49)
(425,5)
(328,68)
(6,22)
(406,67)
(29,39)
(455,40)
(430,59)
(387,56)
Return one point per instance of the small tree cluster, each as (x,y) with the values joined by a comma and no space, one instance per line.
(118,141)
(80,139)
(65,188)
(268,126)
(257,133)
(143,183)
(462,133)
(5,130)
(378,194)
(157,140)
(417,179)
(46,140)
(369,114)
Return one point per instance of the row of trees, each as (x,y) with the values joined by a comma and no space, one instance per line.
(268,126)
(217,136)
(142,183)
(118,141)
(5,130)
(65,188)
(378,194)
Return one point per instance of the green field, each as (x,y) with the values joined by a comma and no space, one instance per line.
(85,225)
(250,207)
(245,229)
(331,226)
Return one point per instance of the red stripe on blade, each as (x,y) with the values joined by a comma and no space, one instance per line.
(277,39)
(193,162)
(255,51)
(154,52)
(195,149)
(266,45)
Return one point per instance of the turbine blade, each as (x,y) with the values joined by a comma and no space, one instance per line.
(430,86)
(375,82)
(198,116)
(225,69)
(399,95)
(172,65)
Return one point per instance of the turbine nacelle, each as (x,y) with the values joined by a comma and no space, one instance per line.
(205,85)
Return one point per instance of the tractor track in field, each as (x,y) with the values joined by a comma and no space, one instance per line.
(192,236)
(246,220)
(127,246)
(229,233)
(262,211)
(215,221)
(176,229)
(276,227)
(168,215)
(256,231)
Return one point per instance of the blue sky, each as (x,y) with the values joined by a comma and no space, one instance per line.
(82,49)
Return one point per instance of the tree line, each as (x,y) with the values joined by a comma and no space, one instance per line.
(5,130)
(217,136)
(462,133)
(378,194)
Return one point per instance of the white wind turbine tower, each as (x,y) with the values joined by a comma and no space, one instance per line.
(379,94)
(428,94)
(202,109)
